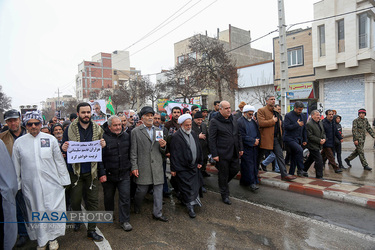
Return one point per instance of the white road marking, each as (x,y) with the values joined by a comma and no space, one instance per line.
(104,245)
(316,222)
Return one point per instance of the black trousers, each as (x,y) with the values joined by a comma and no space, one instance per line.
(228,169)
(316,157)
(278,151)
(338,152)
(123,187)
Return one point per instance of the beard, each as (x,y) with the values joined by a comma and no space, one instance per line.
(186,131)
(83,121)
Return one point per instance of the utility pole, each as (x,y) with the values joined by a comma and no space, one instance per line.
(58,101)
(284,79)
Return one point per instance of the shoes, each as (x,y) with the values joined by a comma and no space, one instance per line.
(254,187)
(126,226)
(264,167)
(337,170)
(367,168)
(137,210)
(53,245)
(22,240)
(191,212)
(288,178)
(161,218)
(277,170)
(227,201)
(320,178)
(77,226)
(94,236)
(204,190)
(342,167)
(302,173)
(348,162)
(205,174)
(167,194)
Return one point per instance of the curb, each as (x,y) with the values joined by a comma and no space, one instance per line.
(321,192)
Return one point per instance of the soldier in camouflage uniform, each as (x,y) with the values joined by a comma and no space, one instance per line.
(360,125)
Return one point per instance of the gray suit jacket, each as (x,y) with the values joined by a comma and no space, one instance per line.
(146,156)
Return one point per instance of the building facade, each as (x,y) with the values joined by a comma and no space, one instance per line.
(301,73)
(344,56)
(104,71)
(255,82)
(232,38)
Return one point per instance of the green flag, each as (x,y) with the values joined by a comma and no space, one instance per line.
(109,106)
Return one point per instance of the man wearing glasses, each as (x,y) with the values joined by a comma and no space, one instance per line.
(42,175)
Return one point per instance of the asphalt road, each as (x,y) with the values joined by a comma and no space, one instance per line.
(267,219)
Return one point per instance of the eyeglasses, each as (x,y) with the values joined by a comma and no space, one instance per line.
(30,124)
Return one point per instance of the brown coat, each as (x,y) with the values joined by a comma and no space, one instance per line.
(266,127)
(8,140)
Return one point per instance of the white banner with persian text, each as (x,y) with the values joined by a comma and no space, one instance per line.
(80,152)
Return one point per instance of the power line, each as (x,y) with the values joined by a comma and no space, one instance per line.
(161,25)
(175,28)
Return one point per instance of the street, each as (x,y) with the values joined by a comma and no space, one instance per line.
(267,219)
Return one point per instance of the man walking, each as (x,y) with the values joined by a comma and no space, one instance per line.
(84,176)
(295,137)
(249,131)
(226,147)
(331,132)
(360,126)
(42,174)
(201,130)
(147,162)
(114,171)
(316,138)
(15,130)
(186,160)
(271,134)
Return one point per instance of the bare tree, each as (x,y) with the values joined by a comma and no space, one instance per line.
(120,97)
(155,91)
(261,92)
(208,65)
(5,103)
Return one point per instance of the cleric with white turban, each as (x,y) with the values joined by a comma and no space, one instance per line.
(183,118)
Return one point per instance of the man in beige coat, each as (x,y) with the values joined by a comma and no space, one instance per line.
(147,162)
(271,134)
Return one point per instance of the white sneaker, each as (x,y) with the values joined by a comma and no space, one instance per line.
(53,245)
(126,226)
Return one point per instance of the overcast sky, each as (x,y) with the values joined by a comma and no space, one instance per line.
(43,41)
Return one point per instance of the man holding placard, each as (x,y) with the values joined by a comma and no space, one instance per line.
(84,175)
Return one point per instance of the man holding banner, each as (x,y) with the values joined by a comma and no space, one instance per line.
(84,175)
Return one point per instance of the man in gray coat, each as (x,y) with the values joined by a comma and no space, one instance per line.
(147,162)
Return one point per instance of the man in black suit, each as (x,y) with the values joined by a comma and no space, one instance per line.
(201,130)
(226,147)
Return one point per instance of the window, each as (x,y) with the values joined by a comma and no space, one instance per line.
(340,36)
(180,59)
(295,57)
(322,40)
(364,31)
(193,55)
(181,81)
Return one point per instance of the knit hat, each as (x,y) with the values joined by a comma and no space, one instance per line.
(198,115)
(204,108)
(183,118)
(362,111)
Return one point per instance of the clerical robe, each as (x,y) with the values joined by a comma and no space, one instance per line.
(41,174)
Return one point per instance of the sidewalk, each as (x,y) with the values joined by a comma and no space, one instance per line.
(358,194)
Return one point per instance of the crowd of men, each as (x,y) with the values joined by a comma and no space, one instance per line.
(35,175)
